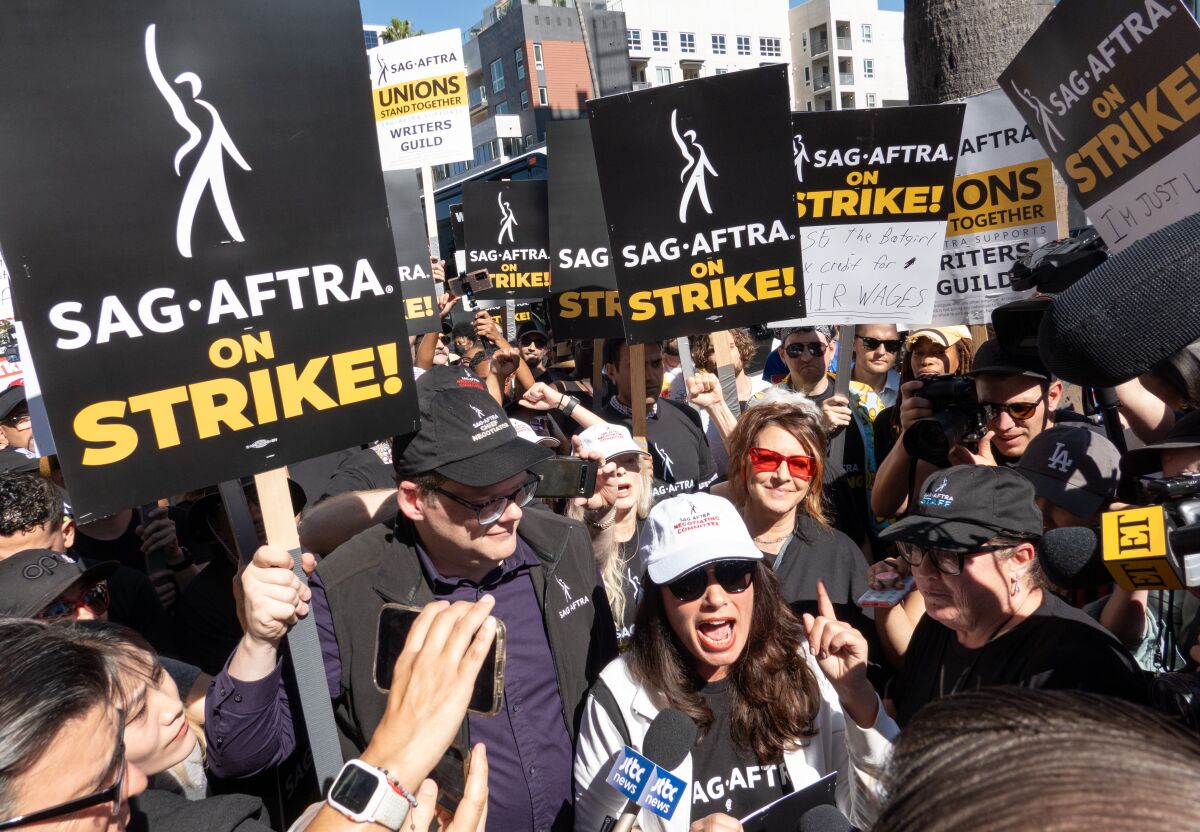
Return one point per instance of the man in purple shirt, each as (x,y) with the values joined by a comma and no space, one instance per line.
(461,533)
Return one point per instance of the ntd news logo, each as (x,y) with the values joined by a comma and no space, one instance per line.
(646,784)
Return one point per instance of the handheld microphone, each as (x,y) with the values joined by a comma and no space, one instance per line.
(669,740)
(1084,334)
(824,818)
(1071,558)
(1143,549)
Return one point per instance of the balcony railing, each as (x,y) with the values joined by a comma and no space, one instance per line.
(843,43)
(846,78)
(819,46)
(642,85)
(821,83)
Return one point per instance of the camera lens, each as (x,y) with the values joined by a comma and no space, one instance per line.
(932,438)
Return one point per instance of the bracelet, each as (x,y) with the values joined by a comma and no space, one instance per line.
(187,562)
(604,525)
(399,789)
(572,403)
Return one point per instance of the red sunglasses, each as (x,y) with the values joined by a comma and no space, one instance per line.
(800,467)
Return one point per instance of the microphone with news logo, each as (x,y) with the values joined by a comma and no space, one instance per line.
(1139,548)
(646,779)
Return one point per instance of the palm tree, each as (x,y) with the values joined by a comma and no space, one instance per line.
(956,48)
(399,30)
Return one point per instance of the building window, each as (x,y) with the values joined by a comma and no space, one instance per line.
(808,106)
(659,40)
(502,108)
(634,36)
(537,56)
(497,75)
(870,99)
(769,47)
(743,44)
(804,40)
(687,42)
(662,74)
(866,33)
(718,44)
(519,57)
(868,68)
(807,76)
(543,99)
(524,99)
(720,71)
(370,39)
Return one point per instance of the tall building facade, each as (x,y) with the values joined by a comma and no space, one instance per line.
(676,40)
(847,54)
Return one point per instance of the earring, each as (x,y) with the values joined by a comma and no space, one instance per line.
(1016,588)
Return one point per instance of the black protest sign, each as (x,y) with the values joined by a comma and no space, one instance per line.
(504,230)
(1110,90)
(584,302)
(874,188)
(412,255)
(696,179)
(455,266)
(202,260)
(524,312)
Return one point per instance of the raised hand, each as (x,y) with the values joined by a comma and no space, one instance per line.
(704,390)
(542,396)
(841,653)
(964,456)
(835,413)
(273,598)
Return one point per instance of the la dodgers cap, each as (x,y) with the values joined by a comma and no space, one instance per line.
(691,530)
(1073,467)
(465,435)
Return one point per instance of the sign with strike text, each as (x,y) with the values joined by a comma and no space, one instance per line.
(1003,208)
(419,97)
(873,194)
(703,236)
(203,268)
(1112,91)
(412,257)
(505,231)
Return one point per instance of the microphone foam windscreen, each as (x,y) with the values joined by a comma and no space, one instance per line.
(1134,310)
(1071,558)
(669,738)
(823,818)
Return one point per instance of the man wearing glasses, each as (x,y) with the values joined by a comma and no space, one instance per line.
(876,348)
(62,736)
(971,543)
(466,528)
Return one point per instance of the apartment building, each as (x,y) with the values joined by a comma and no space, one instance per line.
(847,54)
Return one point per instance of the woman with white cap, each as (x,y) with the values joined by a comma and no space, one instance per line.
(779,704)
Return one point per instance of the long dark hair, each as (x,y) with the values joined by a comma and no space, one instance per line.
(775,696)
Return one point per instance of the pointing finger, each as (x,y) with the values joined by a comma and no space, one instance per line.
(824,605)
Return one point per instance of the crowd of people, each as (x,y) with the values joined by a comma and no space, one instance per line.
(808,577)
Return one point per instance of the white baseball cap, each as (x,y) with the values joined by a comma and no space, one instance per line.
(609,441)
(691,530)
(526,432)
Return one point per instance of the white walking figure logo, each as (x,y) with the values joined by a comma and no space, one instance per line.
(668,474)
(383,70)
(799,156)
(209,172)
(566,589)
(1040,112)
(695,167)
(507,219)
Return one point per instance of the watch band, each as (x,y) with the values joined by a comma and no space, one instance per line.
(388,804)
(392,808)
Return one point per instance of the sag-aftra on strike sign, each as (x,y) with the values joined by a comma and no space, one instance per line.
(203,268)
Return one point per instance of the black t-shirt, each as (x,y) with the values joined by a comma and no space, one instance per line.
(206,622)
(726,778)
(683,463)
(1056,648)
(819,553)
(360,469)
(631,584)
(846,483)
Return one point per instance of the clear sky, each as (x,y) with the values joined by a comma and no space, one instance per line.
(432,15)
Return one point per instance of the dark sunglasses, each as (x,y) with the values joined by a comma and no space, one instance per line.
(489,512)
(95,598)
(892,345)
(734,576)
(763,460)
(815,349)
(946,561)
(1017,410)
(106,795)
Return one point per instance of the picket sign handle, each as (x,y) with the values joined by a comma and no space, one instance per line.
(686,368)
(637,392)
(837,446)
(722,343)
(237,511)
(979,334)
(597,374)
(431,229)
(510,325)
(275,500)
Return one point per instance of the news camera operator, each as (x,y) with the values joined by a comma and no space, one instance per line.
(779,703)
(970,541)
(460,534)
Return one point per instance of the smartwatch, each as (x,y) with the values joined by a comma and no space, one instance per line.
(364,794)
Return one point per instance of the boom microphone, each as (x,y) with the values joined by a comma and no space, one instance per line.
(824,818)
(1146,295)
(669,740)
(1071,558)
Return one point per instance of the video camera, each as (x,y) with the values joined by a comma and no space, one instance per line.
(957,418)
(1156,545)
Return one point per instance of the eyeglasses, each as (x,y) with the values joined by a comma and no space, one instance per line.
(734,576)
(890,344)
(801,467)
(815,349)
(1019,411)
(946,561)
(17,420)
(111,793)
(96,598)
(491,511)
(540,343)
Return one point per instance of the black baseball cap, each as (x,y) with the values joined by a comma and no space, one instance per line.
(465,435)
(11,398)
(533,326)
(32,579)
(1148,460)
(963,507)
(992,358)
